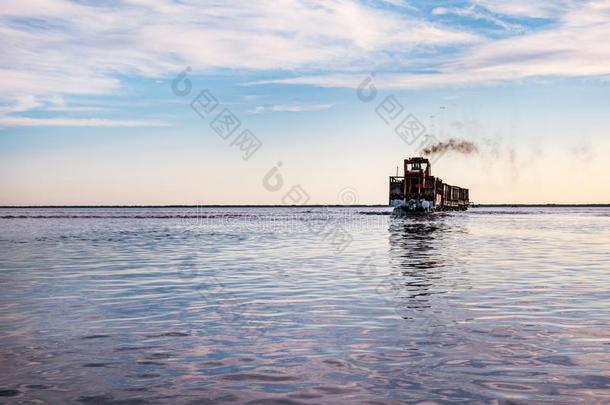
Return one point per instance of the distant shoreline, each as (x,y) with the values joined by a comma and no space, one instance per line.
(293,206)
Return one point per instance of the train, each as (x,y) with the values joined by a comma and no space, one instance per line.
(418,191)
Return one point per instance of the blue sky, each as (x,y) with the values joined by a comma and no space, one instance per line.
(88,115)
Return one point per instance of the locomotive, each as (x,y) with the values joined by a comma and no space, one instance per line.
(417,191)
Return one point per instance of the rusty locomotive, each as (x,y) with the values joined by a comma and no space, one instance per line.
(418,191)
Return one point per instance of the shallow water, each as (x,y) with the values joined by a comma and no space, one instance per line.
(304,305)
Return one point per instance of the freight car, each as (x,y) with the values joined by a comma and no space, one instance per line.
(418,191)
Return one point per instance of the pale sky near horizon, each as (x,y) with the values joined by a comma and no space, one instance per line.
(88,114)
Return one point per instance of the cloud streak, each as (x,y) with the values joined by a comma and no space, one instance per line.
(528,8)
(477,14)
(10,121)
(294,108)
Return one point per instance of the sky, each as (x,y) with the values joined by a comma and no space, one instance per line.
(300,101)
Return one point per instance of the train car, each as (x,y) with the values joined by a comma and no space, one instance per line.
(419,191)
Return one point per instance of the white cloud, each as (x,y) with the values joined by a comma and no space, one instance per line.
(300,107)
(478,14)
(57,103)
(290,108)
(74,48)
(529,8)
(76,109)
(11,121)
(399,3)
(576,46)
(257,110)
(58,47)
(19,104)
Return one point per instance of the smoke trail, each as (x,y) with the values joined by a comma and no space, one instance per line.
(456,145)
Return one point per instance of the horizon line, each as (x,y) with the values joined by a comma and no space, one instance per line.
(289,206)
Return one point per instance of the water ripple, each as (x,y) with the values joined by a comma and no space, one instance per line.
(264,305)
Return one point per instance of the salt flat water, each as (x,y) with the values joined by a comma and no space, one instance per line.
(304,305)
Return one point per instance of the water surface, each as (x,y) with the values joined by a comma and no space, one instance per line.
(304,305)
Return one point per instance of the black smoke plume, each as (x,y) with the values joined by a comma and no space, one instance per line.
(455,145)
